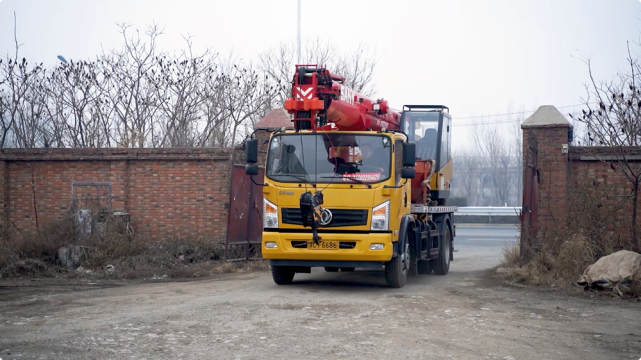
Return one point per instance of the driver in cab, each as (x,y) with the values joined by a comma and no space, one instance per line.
(370,161)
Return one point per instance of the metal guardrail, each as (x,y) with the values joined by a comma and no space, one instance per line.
(488,211)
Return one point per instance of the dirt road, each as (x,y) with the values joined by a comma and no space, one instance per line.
(467,314)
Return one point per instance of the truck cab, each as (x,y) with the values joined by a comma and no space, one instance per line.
(429,127)
(365,218)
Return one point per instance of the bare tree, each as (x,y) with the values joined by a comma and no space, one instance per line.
(140,96)
(180,85)
(357,67)
(279,62)
(468,167)
(489,144)
(19,106)
(246,97)
(614,124)
(515,149)
(127,74)
(21,103)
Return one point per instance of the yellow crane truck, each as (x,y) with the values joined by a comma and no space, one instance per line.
(355,184)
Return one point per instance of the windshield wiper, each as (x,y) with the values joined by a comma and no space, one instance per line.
(297,177)
(349,178)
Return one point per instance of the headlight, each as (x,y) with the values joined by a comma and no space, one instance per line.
(380,217)
(270,214)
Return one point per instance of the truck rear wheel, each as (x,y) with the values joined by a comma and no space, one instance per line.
(442,263)
(283,275)
(396,269)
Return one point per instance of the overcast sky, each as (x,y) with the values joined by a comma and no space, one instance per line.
(477,57)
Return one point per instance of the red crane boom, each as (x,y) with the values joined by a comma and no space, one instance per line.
(321,101)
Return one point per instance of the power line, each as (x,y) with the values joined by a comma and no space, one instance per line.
(515,113)
(506,114)
(501,121)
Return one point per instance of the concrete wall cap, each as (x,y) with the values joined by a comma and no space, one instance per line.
(546,116)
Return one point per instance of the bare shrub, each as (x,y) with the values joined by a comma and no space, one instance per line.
(558,261)
(110,251)
(596,209)
(27,268)
(559,256)
(511,255)
(574,255)
(44,244)
(635,290)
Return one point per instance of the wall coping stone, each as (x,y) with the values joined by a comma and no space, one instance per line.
(546,116)
(114,154)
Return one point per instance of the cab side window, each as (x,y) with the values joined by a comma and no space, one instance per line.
(446,136)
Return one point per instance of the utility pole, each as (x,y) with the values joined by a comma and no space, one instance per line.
(298,32)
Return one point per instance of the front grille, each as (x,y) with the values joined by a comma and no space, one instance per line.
(340,217)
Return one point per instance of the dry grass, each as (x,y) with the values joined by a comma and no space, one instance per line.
(511,255)
(556,263)
(115,254)
(559,256)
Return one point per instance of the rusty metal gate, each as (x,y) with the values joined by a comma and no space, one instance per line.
(530,212)
(245,218)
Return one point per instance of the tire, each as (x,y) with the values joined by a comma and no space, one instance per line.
(414,259)
(283,275)
(349,269)
(442,263)
(396,270)
(424,267)
(331,269)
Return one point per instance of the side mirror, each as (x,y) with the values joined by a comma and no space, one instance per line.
(409,154)
(408,173)
(251,151)
(252,169)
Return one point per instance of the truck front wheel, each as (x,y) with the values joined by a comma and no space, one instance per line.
(283,275)
(396,269)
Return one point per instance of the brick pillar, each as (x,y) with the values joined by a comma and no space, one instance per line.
(549,129)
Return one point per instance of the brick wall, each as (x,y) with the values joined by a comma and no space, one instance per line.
(576,188)
(168,192)
(605,183)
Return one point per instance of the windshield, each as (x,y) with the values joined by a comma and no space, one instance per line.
(329,158)
(422,129)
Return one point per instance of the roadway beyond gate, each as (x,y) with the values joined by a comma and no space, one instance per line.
(466,314)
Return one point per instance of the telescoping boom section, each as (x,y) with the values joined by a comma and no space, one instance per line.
(321,100)
(346,189)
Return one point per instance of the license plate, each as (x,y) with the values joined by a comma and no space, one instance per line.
(323,245)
